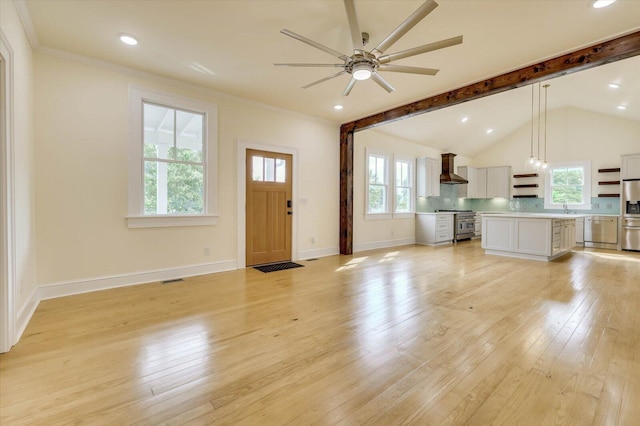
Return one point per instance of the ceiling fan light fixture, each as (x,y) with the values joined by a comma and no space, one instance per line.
(361,72)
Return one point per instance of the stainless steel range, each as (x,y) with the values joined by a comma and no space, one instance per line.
(464,224)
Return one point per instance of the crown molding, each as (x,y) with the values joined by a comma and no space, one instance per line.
(27,24)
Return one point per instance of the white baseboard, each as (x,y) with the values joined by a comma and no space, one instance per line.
(383,244)
(68,288)
(26,312)
(312,254)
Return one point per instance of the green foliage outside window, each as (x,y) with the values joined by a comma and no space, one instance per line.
(185,188)
(566,185)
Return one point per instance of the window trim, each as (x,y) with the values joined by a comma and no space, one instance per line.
(387,213)
(412,186)
(586,187)
(136,217)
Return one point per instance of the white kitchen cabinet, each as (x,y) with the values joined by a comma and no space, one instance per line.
(463,188)
(580,231)
(497,233)
(428,177)
(528,236)
(498,182)
(486,182)
(434,228)
(564,235)
(630,167)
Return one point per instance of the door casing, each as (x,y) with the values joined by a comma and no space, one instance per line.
(242,196)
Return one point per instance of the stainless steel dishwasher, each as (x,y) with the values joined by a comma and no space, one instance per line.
(601,232)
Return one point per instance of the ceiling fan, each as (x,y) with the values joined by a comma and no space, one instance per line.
(363,64)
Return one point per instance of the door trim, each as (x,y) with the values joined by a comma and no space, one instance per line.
(242,196)
(8,313)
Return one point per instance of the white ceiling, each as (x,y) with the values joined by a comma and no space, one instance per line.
(231,46)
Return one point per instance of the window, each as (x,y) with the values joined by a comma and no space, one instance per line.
(568,183)
(172,161)
(377,184)
(267,169)
(389,186)
(404,186)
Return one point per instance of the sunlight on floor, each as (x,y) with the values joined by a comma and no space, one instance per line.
(622,257)
(352,263)
(389,256)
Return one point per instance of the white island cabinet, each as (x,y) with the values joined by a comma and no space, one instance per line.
(528,236)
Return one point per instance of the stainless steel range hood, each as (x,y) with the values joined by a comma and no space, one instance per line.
(448,176)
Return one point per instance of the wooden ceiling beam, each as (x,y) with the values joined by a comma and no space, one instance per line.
(589,57)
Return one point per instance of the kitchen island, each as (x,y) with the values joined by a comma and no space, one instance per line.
(535,236)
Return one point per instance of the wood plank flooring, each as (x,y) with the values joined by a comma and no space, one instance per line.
(411,335)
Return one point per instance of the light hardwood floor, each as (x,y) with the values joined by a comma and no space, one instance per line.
(412,335)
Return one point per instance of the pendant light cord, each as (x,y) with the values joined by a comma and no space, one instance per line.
(546,86)
(539,99)
(532,86)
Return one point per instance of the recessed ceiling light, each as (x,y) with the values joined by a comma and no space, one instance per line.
(128,39)
(602,3)
(489,131)
(464,119)
(621,107)
(338,107)
(614,85)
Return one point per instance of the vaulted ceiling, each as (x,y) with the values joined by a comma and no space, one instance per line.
(231,46)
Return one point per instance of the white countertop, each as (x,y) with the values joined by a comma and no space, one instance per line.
(435,213)
(571,215)
(537,215)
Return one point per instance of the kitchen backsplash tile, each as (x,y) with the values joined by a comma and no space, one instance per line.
(448,199)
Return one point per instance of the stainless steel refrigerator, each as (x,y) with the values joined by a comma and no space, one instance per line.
(631,214)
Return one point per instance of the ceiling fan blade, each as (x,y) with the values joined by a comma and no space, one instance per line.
(322,80)
(420,49)
(382,82)
(350,85)
(408,70)
(310,65)
(417,16)
(314,44)
(356,35)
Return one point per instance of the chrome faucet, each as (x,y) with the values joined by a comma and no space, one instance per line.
(565,206)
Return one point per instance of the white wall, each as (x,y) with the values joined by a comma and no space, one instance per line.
(82,140)
(574,135)
(368,234)
(24,166)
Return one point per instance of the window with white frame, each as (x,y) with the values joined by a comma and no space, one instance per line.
(172,161)
(568,185)
(404,186)
(377,183)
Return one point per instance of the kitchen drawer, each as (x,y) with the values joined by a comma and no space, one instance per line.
(445,218)
(443,236)
(440,226)
(557,233)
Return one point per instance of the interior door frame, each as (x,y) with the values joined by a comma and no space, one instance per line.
(242,196)
(8,313)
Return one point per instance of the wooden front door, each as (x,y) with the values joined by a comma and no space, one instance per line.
(269,208)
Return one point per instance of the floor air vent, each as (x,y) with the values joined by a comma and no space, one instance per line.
(172,281)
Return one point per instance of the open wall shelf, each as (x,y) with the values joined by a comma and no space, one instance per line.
(609,182)
(532,183)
